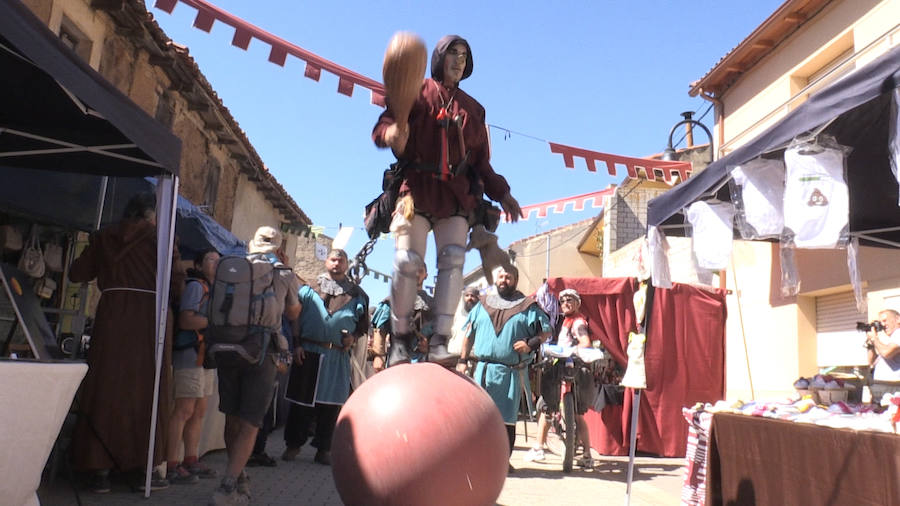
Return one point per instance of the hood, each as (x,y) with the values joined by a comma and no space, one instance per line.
(437,57)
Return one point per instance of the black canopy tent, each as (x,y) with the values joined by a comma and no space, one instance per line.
(857,111)
(57,113)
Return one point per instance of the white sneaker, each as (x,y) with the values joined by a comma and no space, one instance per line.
(535,455)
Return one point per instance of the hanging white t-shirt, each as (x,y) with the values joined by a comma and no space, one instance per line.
(762,192)
(816,197)
(712,233)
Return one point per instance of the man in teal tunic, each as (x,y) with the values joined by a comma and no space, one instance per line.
(335,314)
(507,328)
(421,326)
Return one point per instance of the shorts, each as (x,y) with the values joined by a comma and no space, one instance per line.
(879,388)
(585,391)
(194,382)
(246,392)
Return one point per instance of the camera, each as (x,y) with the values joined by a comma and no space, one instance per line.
(876,325)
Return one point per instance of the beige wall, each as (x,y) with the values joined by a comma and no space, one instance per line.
(777,335)
(251,210)
(565,259)
(760,93)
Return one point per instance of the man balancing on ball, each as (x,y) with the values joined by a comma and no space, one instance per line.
(444,165)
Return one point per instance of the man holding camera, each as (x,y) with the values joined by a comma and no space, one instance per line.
(884,354)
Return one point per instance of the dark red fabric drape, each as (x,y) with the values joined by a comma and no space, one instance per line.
(684,357)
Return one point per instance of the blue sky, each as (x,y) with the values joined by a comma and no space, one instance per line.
(600,75)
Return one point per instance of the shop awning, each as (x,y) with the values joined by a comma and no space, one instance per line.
(856,109)
(58,113)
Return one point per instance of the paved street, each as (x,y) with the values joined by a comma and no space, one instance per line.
(657,482)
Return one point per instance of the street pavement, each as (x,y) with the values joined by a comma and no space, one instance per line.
(657,481)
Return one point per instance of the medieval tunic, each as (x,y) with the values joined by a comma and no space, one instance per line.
(497,323)
(328,308)
(116,398)
(431,195)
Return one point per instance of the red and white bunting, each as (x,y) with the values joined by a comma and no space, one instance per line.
(632,165)
(559,206)
(244,32)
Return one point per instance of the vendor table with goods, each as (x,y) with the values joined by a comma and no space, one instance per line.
(792,452)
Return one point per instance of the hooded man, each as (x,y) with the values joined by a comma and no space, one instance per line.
(444,159)
(507,327)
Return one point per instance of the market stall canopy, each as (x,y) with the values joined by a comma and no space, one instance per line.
(856,110)
(58,113)
(70,200)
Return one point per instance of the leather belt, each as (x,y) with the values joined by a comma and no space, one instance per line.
(520,365)
(328,345)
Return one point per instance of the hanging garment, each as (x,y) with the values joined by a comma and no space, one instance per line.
(816,197)
(712,234)
(894,135)
(659,252)
(761,184)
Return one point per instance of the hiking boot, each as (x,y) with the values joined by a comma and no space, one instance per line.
(227,494)
(398,353)
(323,458)
(261,459)
(200,470)
(100,483)
(181,476)
(290,454)
(437,351)
(534,455)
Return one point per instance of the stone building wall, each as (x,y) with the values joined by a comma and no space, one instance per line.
(220,171)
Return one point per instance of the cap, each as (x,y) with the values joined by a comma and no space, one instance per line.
(266,240)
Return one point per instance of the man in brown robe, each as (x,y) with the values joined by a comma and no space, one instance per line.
(116,399)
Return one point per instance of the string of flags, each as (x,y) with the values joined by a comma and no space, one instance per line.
(578,202)
(244,32)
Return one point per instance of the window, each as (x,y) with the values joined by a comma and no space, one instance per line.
(75,39)
(838,341)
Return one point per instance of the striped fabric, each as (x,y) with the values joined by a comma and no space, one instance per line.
(693,491)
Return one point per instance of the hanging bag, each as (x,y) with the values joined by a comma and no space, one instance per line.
(32,260)
(10,238)
(53,257)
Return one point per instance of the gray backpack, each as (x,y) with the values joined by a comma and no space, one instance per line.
(241,320)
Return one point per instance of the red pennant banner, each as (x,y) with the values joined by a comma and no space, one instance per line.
(559,206)
(632,165)
(208,13)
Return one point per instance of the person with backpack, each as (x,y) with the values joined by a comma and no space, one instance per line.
(248,298)
(193,383)
(335,314)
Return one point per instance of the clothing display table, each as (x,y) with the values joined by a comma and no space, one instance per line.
(755,460)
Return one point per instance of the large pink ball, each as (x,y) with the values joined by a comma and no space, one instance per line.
(419,434)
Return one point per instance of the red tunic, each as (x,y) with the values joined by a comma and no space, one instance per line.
(431,195)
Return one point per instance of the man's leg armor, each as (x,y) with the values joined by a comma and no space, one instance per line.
(448,286)
(407,264)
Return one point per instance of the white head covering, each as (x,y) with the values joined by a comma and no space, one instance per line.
(568,292)
(266,240)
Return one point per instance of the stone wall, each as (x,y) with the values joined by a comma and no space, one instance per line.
(305,262)
(210,175)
